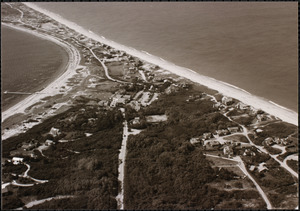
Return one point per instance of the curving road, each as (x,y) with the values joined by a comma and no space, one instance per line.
(242,166)
(105,68)
(261,148)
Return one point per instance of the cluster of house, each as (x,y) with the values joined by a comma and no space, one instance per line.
(209,143)
(280,141)
(14,160)
(222,132)
(142,98)
(229,147)
(261,167)
(119,99)
(27,148)
(228,101)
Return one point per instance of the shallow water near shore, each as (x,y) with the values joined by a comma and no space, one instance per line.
(249,45)
(29,63)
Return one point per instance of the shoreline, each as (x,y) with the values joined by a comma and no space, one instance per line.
(60,70)
(224,88)
(53,87)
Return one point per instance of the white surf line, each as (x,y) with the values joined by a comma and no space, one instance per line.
(222,87)
(53,88)
(121,169)
(23,93)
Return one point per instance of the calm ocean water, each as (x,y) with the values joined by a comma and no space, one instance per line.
(252,45)
(28,63)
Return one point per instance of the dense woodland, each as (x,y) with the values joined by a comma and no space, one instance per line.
(163,169)
(91,176)
(166,171)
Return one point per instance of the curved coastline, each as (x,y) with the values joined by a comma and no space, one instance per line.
(36,83)
(52,88)
(257,102)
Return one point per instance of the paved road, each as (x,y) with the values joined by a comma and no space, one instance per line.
(121,169)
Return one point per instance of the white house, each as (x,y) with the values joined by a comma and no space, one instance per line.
(49,142)
(194,140)
(234,129)
(136,120)
(258,130)
(17,160)
(227,150)
(54,132)
(242,106)
(226,100)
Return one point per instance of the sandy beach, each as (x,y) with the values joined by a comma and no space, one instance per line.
(283,113)
(52,88)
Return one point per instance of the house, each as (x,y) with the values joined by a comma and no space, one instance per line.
(126,97)
(135,105)
(222,132)
(119,99)
(252,168)
(277,140)
(103,103)
(248,152)
(262,167)
(54,132)
(258,130)
(217,105)
(227,150)
(28,146)
(253,111)
(233,129)
(214,143)
(49,142)
(268,141)
(17,160)
(261,117)
(207,136)
(195,140)
(226,100)
(242,106)
(136,121)
(245,145)
(172,88)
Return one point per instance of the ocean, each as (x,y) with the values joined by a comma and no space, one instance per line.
(251,45)
(28,64)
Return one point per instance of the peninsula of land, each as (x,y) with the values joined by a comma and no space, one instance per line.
(122,129)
